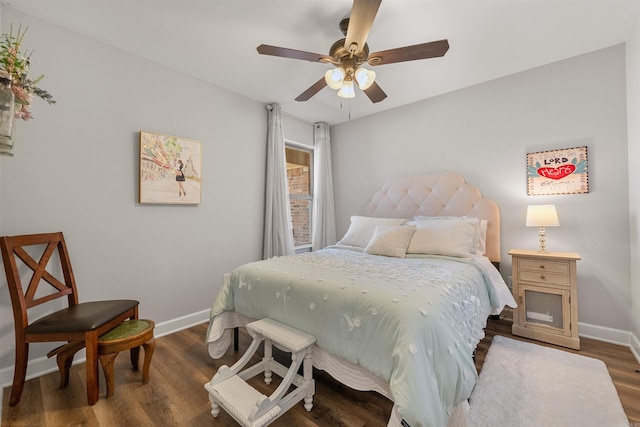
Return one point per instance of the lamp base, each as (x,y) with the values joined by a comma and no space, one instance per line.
(543,241)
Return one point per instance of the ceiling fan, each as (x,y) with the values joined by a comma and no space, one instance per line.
(350,53)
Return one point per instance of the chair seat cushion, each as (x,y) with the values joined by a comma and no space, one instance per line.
(82,317)
(127,329)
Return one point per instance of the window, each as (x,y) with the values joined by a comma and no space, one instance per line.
(300,181)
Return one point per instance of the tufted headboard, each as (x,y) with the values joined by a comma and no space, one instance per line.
(444,194)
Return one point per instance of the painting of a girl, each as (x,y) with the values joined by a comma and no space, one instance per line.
(180,178)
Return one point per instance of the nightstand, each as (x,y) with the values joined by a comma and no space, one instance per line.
(545,288)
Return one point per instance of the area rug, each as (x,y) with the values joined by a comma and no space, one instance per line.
(528,385)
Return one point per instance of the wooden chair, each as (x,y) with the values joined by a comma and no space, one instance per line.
(79,324)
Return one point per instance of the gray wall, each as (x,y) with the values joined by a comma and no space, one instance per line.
(484,133)
(633,112)
(75,170)
(296,130)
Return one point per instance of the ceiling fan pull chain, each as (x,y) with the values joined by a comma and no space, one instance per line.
(348,106)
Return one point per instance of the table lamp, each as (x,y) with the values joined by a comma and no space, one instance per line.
(542,216)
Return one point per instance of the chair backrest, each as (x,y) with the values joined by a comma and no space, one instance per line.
(16,248)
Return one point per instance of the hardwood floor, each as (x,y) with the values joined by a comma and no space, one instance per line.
(175,395)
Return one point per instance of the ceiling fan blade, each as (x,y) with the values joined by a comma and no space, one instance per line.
(410,53)
(363,12)
(265,49)
(375,93)
(315,88)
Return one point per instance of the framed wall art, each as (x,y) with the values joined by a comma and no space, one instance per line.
(170,169)
(562,171)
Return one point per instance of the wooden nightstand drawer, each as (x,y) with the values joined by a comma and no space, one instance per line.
(543,266)
(544,277)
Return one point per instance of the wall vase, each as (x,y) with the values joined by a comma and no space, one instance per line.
(7,116)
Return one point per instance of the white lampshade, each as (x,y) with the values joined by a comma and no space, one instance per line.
(365,78)
(542,216)
(347,90)
(334,78)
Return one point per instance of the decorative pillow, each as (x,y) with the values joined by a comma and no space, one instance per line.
(482,241)
(390,240)
(451,238)
(480,238)
(361,229)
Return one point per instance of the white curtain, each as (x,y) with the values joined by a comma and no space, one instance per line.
(324,217)
(278,237)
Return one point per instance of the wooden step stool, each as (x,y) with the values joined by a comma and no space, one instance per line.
(228,387)
(128,335)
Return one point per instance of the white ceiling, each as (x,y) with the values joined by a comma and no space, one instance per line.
(216,40)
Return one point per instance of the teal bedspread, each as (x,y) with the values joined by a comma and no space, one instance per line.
(414,321)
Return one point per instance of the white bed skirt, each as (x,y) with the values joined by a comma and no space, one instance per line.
(349,374)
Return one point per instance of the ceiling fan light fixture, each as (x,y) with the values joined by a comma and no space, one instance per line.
(334,78)
(348,53)
(347,90)
(365,78)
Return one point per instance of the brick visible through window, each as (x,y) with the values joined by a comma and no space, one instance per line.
(299,178)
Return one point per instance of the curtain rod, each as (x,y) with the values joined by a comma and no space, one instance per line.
(284,113)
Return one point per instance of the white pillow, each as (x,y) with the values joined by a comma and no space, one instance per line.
(361,229)
(480,238)
(450,238)
(482,241)
(390,240)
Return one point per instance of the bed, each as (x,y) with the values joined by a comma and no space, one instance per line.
(397,306)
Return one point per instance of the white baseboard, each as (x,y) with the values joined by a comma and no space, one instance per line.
(613,336)
(43,365)
(180,323)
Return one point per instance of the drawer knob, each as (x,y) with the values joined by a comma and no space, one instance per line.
(542,277)
(542,267)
